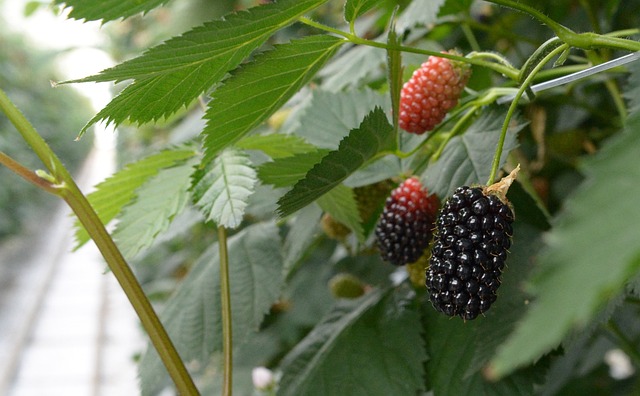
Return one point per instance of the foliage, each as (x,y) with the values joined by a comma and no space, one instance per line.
(298,108)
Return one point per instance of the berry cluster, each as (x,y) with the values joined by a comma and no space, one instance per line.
(406,224)
(473,235)
(431,92)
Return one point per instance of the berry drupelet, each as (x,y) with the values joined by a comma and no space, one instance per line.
(406,224)
(473,235)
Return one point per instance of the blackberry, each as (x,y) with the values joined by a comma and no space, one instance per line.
(473,235)
(406,224)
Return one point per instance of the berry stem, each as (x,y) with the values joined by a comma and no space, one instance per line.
(76,200)
(225,302)
(509,72)
(512,108)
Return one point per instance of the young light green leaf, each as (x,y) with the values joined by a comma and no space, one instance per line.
(467,159)
(355,8)
(373,136)
(118,190)
(222,189)
(419,12)
(338,353)
(341,204)
(175,73)
(276,145)
(158,201)
(591,253)
(284,172)
(261,87)
(327,117)
(192,314)
(108,10)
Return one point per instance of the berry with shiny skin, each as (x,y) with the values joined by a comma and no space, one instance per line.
(406,224)
(431,92)
(473,234)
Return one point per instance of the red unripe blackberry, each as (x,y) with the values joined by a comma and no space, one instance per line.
(406,224)
(473,235)
(433,90)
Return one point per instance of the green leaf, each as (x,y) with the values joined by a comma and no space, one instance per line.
(326,118)
(373,136)
(341,204)
(192,314)
(276,145)
(261,87)
(222,189)
(368,346)
(175,73)
(158,201)
(459,349)
(304,228)
(419,12)
(354,8)
(284,172)
(467,159)
(591,253)
(108,10)
(351,68)
(118,190)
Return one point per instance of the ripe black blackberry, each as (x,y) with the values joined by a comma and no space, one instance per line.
(473,235)
(406,224)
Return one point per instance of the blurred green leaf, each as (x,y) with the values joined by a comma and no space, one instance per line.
(222,189)
(419,12)
(352,68)
(326,118)
(591,252)
(284,172)
(467,159)
(256,90)
(359,340)
(118,190)
(175,73)
(373,136)
(192,314)
(108,10)
(341,204)
(276,145)
(354,8)
(158,201)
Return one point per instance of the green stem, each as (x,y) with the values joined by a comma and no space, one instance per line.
(560,31)
(512,108)
(27,174)
(72,195)
(225,298)
(625,344)
(500,68)
(456,130)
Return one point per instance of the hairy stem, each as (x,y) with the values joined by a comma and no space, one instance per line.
(26,174)
(225,298)
(76,200)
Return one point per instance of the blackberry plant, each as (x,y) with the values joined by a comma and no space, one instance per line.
(301,110)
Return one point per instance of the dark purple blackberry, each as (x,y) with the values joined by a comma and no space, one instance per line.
(405,226)
(473,234)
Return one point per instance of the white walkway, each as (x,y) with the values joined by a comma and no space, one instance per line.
(67,328)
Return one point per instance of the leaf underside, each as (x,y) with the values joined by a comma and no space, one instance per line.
(108,10)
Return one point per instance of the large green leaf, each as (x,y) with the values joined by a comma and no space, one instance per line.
(370,346)
(222,189)
(118,190)
(341,204)
(173,74)
(192,315)
(326,118)
(592,251)
(108,10)
(158,201)
(261,87)
(373,136)
(467,159)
